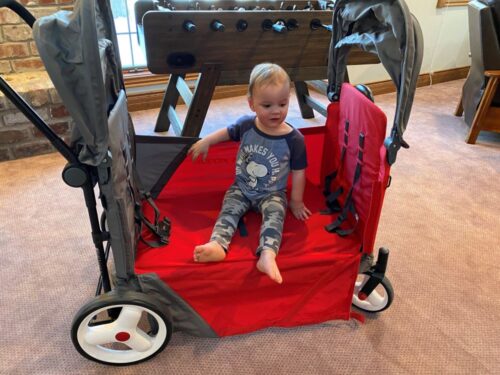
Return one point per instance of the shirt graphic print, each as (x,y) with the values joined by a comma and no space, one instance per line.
(264,161)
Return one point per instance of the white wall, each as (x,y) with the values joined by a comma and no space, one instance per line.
(446,41)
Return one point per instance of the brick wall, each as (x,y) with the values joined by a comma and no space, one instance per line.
(18,136)
(22,68)
(17,49)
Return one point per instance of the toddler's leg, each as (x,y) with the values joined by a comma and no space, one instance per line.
(273,210)
(235,204)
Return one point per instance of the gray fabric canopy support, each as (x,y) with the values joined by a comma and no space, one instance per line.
(78,50)
(67,45)
(387,28)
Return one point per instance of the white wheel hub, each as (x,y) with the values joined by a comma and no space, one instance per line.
(122,340)
(377,299)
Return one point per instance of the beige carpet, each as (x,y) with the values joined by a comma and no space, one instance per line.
(440,220)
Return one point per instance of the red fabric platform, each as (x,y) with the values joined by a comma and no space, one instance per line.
(232,296)
(318,268)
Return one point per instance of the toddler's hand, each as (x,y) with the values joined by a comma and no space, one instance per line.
(299,210)
(200,147)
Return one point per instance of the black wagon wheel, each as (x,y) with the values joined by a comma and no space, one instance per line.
(121,328)
(378,300)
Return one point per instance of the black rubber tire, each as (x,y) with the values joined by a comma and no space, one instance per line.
(112,300)
(389,291)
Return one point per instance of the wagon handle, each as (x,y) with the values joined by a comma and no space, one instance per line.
(20,10)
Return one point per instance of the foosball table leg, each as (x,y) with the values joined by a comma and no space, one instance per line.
(169,101)
(302,93)
(204,90)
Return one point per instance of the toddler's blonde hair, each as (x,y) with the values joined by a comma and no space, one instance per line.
(267,74)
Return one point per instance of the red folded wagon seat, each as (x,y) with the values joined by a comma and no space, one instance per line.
(319,268)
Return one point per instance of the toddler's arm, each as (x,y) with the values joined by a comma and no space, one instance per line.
(202,146)
(299,210)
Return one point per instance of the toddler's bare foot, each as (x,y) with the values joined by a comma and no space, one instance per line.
(267,264)
(209,252)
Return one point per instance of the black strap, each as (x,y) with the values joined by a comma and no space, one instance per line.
(332,202)
(335,226)
(349,207)
(331,177)
(160,228)
(163,227)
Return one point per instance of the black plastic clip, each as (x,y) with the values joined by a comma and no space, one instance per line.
(164,227)
(393,144)
(376,273)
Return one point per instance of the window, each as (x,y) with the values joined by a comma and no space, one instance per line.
(131,54)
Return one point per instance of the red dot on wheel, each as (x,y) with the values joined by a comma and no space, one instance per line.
(362,296)
(122,336)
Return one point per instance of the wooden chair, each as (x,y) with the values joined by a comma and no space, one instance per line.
(487,117)
(480,99)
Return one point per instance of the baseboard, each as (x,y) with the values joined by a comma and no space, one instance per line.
(450,74)
(139,101)
(142,100)
(425,79)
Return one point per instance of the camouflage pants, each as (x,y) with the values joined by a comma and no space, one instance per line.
(272,208)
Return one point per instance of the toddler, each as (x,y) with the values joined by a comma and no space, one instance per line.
(269,149)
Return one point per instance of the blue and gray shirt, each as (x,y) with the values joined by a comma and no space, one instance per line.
(264,161)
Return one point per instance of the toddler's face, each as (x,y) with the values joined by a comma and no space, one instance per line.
(270,104)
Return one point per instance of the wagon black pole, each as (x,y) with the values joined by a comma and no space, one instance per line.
(86,184)
(20,10)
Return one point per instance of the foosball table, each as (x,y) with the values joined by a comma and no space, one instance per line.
(223,40)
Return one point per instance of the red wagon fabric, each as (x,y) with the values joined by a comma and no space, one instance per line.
(319,268)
